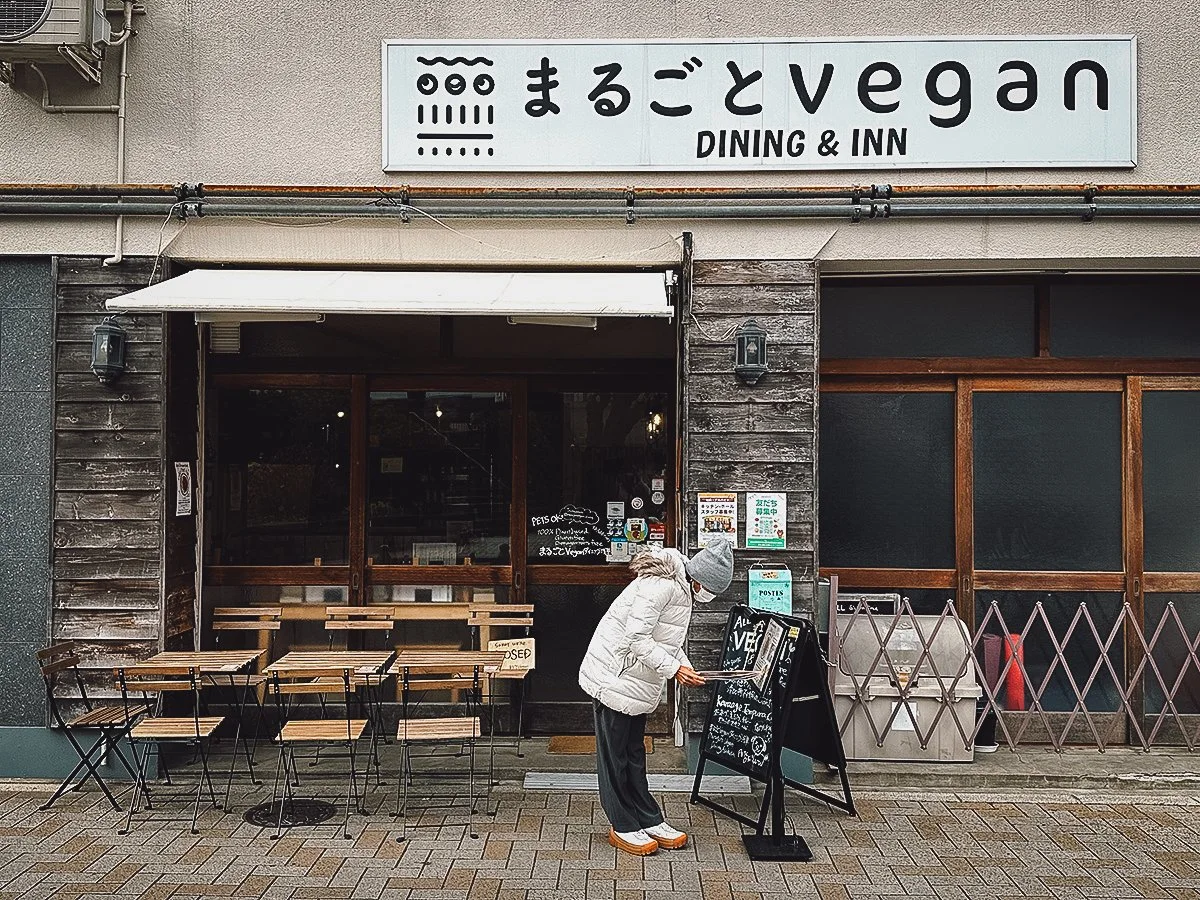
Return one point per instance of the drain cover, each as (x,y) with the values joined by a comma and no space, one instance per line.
(295,812)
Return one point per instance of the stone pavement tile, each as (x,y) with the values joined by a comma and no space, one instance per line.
(832,891)
(573,880)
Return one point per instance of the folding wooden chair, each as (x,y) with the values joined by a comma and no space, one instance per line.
(287,689)
(362,619)
(112,722)
(188,731)
(483,617)
(460,732)
(316,733)
(264,622)
(379,619)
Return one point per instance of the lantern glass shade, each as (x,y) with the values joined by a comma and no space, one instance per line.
(750,362)
(108,351)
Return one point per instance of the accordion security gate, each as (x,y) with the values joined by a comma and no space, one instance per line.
(1073,663)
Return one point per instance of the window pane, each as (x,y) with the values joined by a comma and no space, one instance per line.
(1081,652)
(929,320)
(589,450)
(282,489)
(1048,481)
(439,480)
(887,480)
(1171,652)
(924,601)
(1171,479)
(1149,317)
(564,621)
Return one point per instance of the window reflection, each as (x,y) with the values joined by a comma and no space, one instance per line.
(597,475)
(439,477)
(282,490)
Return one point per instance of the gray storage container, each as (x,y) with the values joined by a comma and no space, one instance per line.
(866,691)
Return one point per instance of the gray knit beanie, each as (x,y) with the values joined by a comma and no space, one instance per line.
(713,566)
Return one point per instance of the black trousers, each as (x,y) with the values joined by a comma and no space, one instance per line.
(621,768)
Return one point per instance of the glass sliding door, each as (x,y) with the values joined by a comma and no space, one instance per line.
(429,494)
(1170,420)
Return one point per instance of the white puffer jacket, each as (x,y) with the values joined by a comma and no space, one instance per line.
(638,644)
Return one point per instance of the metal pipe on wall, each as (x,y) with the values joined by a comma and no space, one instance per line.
(879,192)
(696,209)
(122,41)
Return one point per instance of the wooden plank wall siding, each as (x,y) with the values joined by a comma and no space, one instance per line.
(108,476)
(760,438)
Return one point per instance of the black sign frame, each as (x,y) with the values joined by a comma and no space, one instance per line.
(810,729)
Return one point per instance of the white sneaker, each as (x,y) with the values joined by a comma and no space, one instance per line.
(639,843)
(667,837)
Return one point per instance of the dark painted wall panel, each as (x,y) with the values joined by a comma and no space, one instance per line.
(26,343)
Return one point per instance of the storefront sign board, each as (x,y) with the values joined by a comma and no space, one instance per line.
(753,105)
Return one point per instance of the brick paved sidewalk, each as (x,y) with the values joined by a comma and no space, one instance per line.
(547,845)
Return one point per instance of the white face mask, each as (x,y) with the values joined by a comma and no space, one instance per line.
(703,595)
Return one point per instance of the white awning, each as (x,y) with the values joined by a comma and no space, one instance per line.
(265,294)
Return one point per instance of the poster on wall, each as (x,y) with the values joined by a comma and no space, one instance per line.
(846,104)
(766,521)
(716,516)
(183,488)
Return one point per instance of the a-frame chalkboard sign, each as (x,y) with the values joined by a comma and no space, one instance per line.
(751,722)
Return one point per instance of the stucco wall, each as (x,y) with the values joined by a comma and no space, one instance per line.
(244,93)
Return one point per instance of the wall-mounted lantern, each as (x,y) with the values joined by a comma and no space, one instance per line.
(750,362)
(109,341)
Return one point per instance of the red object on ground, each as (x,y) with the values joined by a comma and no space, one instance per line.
(1014,679)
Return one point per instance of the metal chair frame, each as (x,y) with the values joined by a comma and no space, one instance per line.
(53,662)
(256,619)
(451,736)
(364,618)
(163,681)
(504,615)
(285,767)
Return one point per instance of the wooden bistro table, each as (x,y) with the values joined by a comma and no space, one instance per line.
(221,668)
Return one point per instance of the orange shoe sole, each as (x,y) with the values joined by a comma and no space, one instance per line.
(635,849)
(674,843)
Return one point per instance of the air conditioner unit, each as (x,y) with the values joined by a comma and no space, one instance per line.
(62,31)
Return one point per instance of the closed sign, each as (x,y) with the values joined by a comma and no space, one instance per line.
(518,653)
